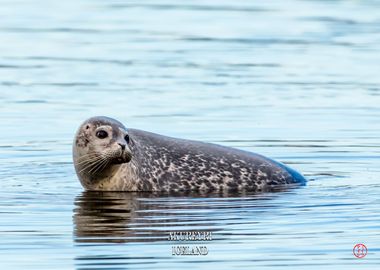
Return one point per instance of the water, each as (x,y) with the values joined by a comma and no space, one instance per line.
(294,80)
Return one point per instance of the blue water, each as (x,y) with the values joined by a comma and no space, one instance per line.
(297,81)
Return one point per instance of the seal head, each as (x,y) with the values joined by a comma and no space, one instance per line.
(101,144)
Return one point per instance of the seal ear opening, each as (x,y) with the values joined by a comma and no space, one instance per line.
(88,126)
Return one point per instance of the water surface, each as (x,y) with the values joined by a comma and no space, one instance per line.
(293,80)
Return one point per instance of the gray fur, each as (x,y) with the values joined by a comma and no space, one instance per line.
(161,163)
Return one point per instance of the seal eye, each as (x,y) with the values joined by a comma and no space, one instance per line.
(126,138)
(101,134)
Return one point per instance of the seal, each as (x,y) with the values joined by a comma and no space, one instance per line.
(109,157)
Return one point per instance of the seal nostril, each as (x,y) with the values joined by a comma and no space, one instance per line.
(122,146)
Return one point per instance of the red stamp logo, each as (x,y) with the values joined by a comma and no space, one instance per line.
(360,251)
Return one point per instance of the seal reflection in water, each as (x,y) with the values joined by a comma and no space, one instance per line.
(109,157)
(121,217)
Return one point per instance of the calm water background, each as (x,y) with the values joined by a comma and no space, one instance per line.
(294,80)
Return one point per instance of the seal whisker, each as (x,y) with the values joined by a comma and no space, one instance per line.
(85,168)
(87,161)
(96,165)
(102,164)
(89,165)
(87,156)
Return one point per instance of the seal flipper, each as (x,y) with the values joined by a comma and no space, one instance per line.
(296,176)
